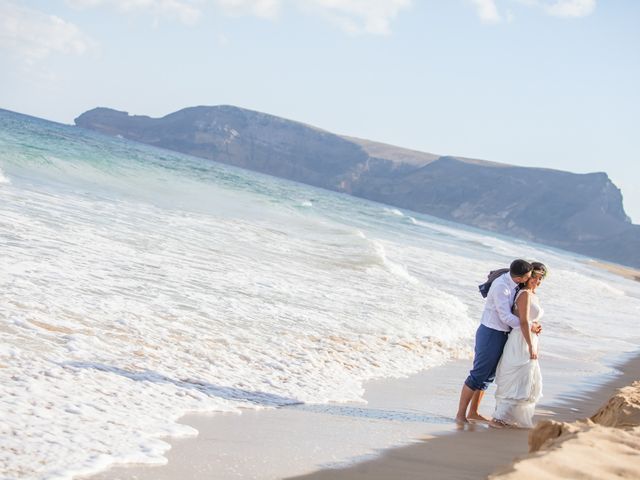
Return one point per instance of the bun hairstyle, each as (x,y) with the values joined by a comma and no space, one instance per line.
(539,269)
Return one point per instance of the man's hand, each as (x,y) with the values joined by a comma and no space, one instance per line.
(536,328)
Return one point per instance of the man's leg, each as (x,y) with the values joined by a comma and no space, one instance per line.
(465,397)
(475,404)
(470,385)
(488,349)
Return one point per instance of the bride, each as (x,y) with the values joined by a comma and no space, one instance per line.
(518,378)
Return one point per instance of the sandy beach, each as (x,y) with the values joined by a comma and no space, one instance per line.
(475,452)
(627,272)
(353,441)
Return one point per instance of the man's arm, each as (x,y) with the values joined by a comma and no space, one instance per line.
(503,299)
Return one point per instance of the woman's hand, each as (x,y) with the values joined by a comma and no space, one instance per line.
(533,353)
(536,328)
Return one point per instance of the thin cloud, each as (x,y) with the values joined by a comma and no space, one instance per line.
(563,8)
(185,11)
(258,8)
(487,11)
(32,35)
(352,16)
(571,8)
(360,16)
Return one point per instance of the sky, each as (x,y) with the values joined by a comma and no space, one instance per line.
(540,83)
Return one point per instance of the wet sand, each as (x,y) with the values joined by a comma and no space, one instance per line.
(627,272)
(406,430)
(474,452)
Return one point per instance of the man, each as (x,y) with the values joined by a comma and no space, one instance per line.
(495,325)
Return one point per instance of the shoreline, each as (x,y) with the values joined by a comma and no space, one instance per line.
(475,451)
(338,441)
(621,270)
(310,436)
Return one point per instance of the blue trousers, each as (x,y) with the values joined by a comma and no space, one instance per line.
(488,350)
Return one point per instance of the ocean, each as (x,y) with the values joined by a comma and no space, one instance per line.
(140,284)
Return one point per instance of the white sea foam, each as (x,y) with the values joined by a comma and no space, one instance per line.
(3,178)
(503,247)
(393,267)
(134,292)
(122,316)
(394,211)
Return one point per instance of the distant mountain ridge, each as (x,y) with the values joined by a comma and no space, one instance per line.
(577,212)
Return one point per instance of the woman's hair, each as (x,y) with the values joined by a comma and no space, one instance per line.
(539,269)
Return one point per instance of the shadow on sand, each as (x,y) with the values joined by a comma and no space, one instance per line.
(227,393)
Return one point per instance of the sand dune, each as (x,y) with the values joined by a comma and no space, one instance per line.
(607,445)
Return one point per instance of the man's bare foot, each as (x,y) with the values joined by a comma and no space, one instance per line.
(461,420)
(476,417)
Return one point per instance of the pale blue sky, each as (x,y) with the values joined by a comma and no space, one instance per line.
(548,83)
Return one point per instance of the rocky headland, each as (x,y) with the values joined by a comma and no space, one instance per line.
(576,212)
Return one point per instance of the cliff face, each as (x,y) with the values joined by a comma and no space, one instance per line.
(578,212)
(251,140)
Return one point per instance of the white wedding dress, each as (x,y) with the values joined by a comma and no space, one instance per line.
(518,378)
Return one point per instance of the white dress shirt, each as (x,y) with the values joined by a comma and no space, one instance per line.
(497,311)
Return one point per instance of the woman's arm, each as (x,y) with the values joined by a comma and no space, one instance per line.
(524,302)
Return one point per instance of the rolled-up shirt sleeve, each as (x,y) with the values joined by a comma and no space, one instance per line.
(503,302)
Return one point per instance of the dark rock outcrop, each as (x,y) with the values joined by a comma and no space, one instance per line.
(577,212)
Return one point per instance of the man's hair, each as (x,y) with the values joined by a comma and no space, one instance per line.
(519,268)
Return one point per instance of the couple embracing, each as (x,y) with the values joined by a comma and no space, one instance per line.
(506,349)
